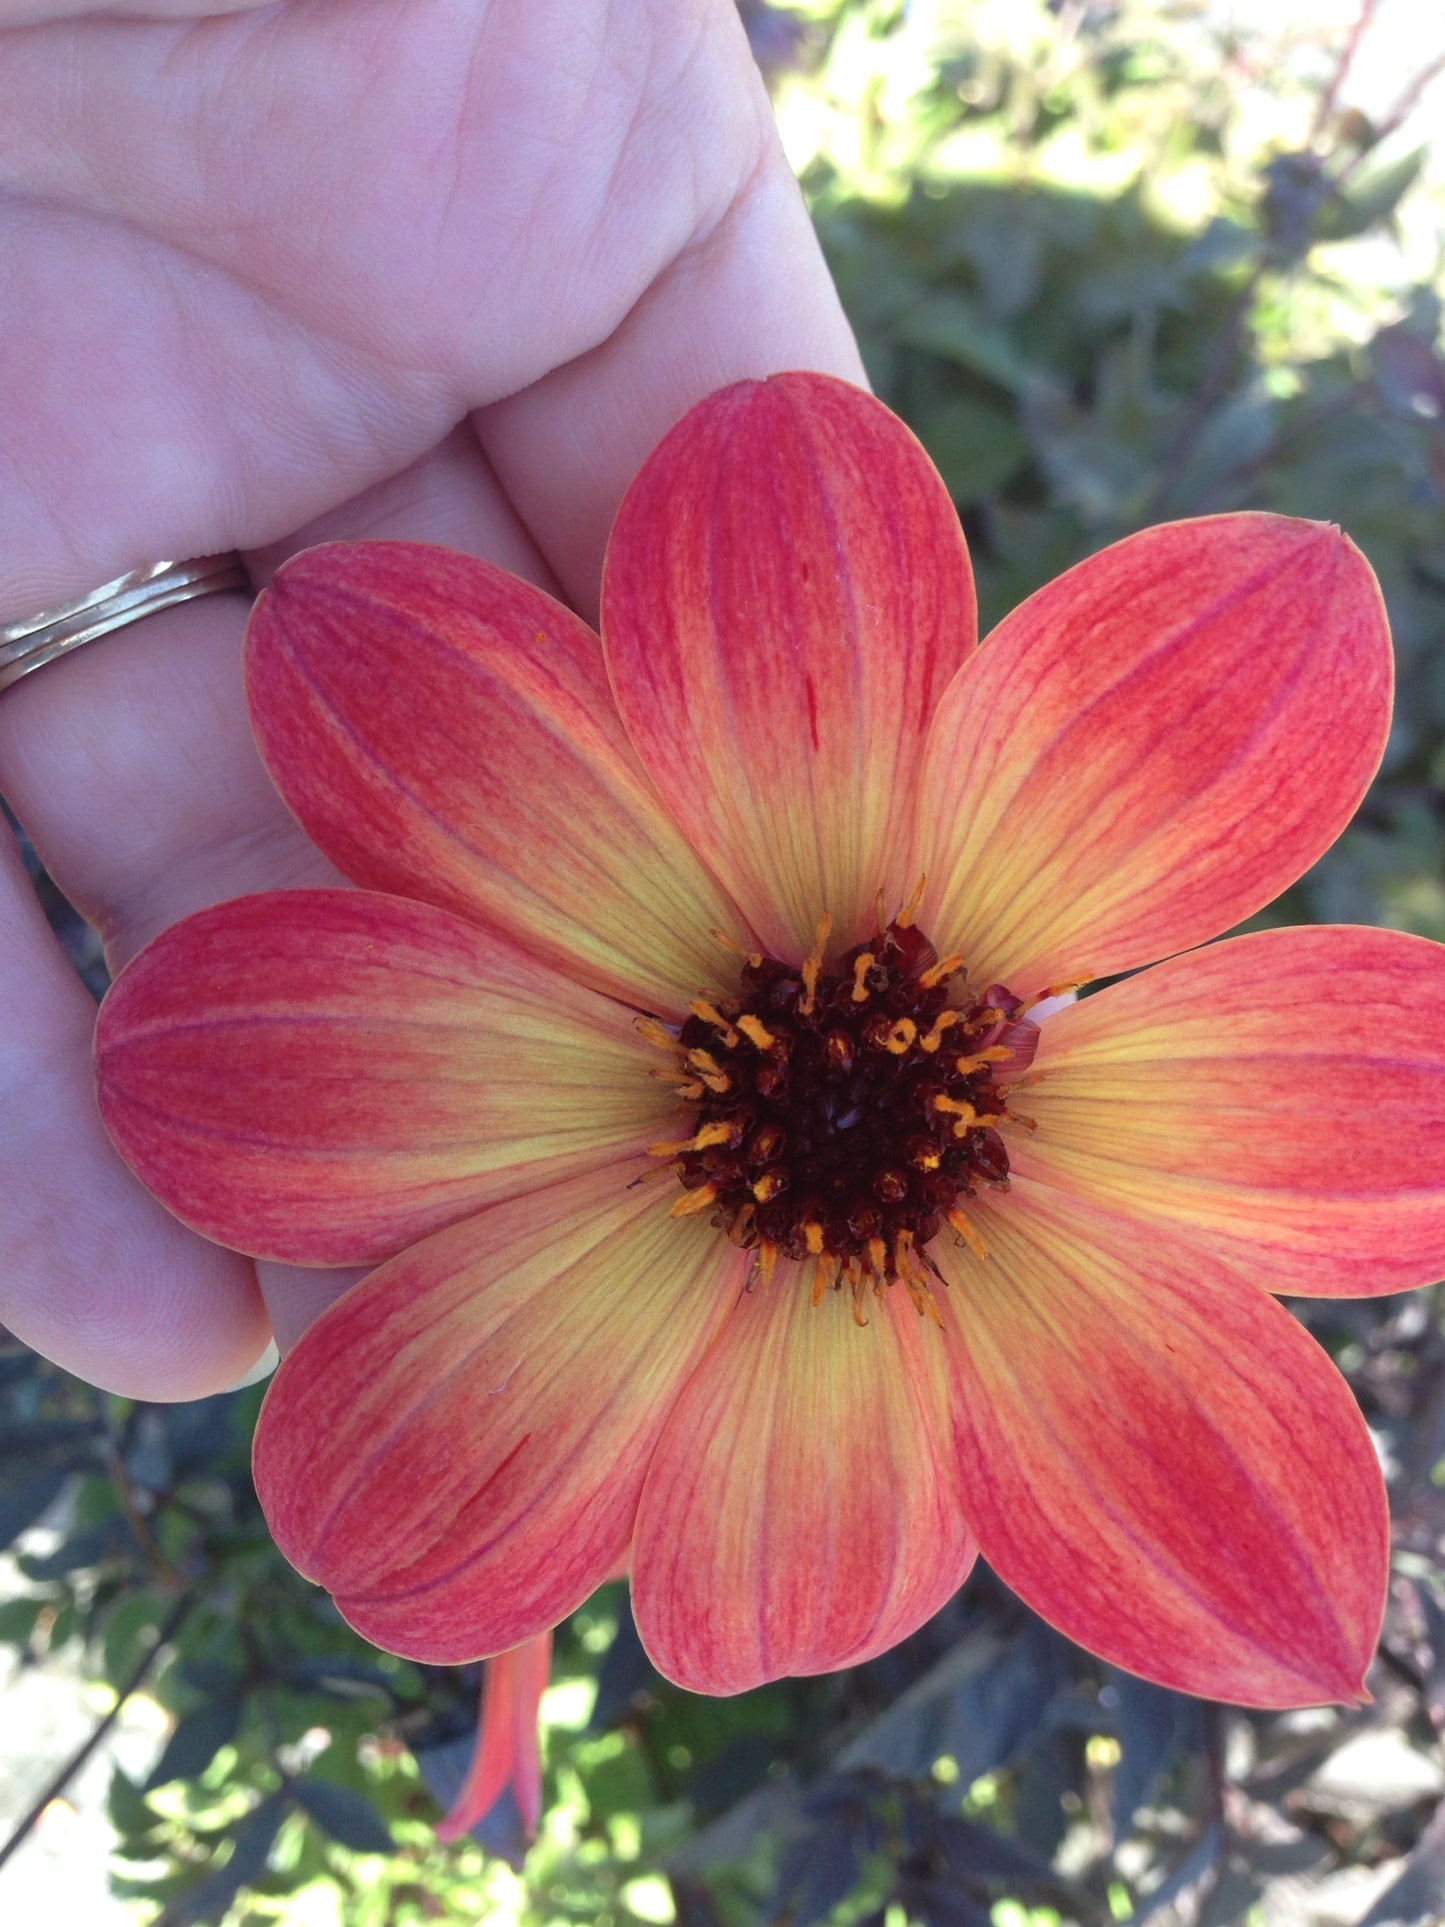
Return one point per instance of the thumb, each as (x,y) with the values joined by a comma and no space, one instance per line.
(35,13)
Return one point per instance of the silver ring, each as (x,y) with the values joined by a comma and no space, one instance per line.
(36,640)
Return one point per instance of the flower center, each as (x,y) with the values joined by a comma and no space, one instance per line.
(842,1114)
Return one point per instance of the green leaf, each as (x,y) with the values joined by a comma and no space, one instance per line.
(1373,198)
(17,1620)
(129,1811)
(195,1742)
(350,1819)
(21,1504)
(950,325)
(129,1632)
(975,446)
(211,1897)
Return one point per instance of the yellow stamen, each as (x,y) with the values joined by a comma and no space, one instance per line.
(860,1291)
(655,1033)
(954,1107)
(710,1014)
(899,1040)
(968,1231)
(995,1054)
(767,1186)
(740,1230)
(729,1133)
(753,957)
(928,1160)
(765,1263)
(710,1071)
(757,1031)
(910,909)
(688,1088)
(1054,990)
(878,1257)
(945,1020)
(924,1302)
(651,1177)
(813,964)
(813,1238)
(861,966)
(945,967)
(691,1203)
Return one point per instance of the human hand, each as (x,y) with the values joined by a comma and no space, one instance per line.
(272,275)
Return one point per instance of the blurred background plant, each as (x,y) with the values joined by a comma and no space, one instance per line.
(1115,262)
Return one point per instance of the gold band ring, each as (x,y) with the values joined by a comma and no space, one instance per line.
(37,640)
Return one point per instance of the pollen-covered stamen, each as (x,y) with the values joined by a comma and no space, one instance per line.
(846,1110)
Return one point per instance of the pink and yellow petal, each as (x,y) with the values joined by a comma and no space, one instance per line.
(324,1076)
(786,596)
(446,731)
(455,1449)
(801,1512)
(1160,1460)
(508,1751)
(1278,1098)
(1152,747)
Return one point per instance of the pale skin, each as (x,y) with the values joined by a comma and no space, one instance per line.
(436,269)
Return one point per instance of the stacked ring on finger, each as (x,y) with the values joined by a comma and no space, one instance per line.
(35,640)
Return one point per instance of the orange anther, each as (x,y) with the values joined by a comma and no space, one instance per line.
(945,1020)
(910,909)
(955,1107)
(813,964)
(691,1203)
(980,1060)
(968,1231)
(765,1263)
(753,957)
(756,1031)
(945,967)
(1054,990)
(710,1014)
(861,966)
(655,1033)
(899,1039)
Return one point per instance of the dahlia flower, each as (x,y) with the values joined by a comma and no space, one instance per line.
(699,1064)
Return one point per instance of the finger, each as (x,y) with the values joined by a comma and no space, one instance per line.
(35,13)
(95,1274)
(263,352)
(450,497)
(750,296)
(133,765)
